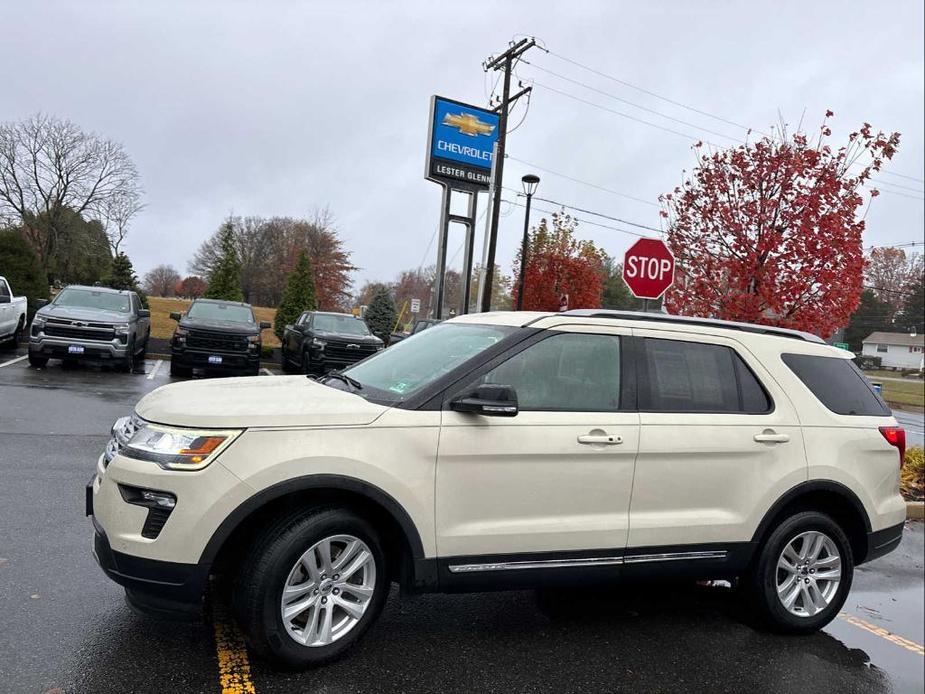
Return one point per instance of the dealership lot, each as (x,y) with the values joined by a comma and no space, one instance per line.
(66,626)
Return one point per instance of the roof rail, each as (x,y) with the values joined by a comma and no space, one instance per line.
(692,320)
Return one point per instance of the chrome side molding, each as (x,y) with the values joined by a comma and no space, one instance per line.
(586,561)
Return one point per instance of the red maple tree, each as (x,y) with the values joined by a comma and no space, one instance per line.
(559,264)
(191,287)
(769,232)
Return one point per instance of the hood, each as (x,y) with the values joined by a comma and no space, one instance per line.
(220,326)
(251,401)
(347,337)
(94,315)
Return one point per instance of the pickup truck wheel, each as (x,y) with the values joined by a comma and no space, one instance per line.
(37,362)
(286,364)
(127,364)
(310,587)
(803,574)
(307,367)
(17,336)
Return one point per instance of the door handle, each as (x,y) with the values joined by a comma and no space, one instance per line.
(600,439)
(770,436)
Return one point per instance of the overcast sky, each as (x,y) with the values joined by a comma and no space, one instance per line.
(277,108)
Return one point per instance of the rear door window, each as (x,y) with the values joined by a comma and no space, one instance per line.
(838,384)
(680,376)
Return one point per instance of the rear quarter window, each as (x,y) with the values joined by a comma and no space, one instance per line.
(838,384)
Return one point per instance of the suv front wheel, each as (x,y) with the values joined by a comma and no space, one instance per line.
(311,585)
(803,574)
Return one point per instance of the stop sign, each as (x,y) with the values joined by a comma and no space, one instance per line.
(648,268)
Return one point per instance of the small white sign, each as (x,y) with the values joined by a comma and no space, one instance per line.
(415,305)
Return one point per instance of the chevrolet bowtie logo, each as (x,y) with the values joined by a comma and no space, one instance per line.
(468,124)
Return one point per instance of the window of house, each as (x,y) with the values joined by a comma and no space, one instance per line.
(883,348)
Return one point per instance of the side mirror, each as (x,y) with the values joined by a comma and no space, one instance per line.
(144,313)
(39,303)
(175,316)
(265,325)
(490,399)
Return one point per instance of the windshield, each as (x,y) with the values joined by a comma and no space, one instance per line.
(334,323)
(421,359)
(90,298)
(230,312)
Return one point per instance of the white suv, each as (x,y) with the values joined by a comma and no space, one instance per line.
(504,450)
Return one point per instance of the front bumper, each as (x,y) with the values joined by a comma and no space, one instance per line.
(161,588)
(199,359)
(60,348)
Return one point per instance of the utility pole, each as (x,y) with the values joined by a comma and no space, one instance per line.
(504,62)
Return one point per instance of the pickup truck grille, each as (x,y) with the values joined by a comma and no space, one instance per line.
(216,342)
(87,331)
(342,353)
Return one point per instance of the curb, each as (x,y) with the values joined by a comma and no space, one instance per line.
(915,510)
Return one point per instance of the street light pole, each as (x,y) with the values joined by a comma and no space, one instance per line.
(530,183)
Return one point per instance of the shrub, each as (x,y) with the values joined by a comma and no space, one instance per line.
(21,267)
(913,474)
(867,362)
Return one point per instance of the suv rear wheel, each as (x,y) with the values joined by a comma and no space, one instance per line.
(803,574)
(311,585)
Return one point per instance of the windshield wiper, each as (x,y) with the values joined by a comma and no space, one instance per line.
(339,375)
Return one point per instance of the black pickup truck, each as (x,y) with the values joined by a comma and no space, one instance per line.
(319,342)
(216,336)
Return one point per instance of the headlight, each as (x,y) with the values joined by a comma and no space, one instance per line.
(253,339)
(121,328)
(179,334)
(319,343)
(38,322)
(174,448)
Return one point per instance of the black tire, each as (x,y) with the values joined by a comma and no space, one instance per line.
(259,584)
(37,362)
(287,365)
(16,338)
(127,363)
(307,367)
(178,371)
(762,584)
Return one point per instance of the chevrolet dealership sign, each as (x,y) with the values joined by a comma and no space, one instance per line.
(460,143)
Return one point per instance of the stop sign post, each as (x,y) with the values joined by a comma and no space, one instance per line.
(648,269)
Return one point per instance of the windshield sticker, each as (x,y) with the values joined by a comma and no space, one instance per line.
(401,387)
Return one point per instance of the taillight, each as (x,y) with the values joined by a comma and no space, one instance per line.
(896,436)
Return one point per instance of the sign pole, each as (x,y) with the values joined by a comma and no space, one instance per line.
(441,251)
(469,252)
(488,215)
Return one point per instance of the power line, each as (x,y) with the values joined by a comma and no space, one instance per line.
(685,106)
(896,185)
(687,136)
(583,221)
(905,244)
(584,183)
(651,93)
(581,209)
(628,102)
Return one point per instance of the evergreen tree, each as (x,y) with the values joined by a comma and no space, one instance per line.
(225,278)
(871,315)
(122,276)
(381,314)
(21,267)
(298,295)
(912,315)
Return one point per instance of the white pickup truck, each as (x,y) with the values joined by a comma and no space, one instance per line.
(12,314)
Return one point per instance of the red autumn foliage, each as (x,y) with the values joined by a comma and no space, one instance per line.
(768,232)
(191,287)
(557,264)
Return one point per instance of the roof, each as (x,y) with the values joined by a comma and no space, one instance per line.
(106,290)
(902,339)
(525,318)
(220,301)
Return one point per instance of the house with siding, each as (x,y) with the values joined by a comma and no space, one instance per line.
(896,350)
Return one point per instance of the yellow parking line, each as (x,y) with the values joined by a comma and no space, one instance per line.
(883,633)
(234,668)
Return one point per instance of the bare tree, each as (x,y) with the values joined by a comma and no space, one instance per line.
(116,214)
(49,167)
(161,281)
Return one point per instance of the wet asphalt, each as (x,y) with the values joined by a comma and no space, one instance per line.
(65,627)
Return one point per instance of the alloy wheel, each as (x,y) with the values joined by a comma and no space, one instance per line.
(808,573)
(328,590)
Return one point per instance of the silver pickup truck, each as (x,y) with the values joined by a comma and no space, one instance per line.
(94,323)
